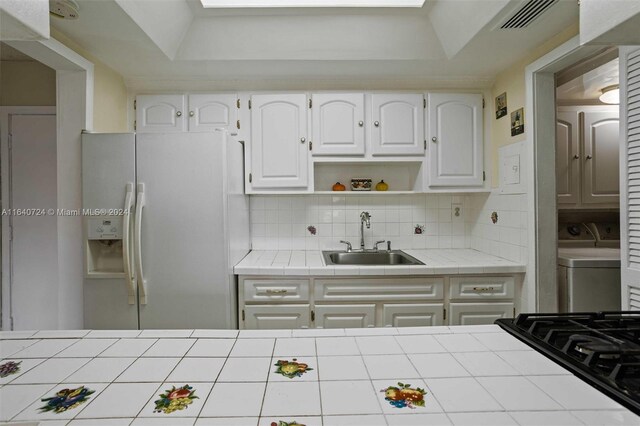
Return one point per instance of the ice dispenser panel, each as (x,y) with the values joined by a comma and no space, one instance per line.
(104,257)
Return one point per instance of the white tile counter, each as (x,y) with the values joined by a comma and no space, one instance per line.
(436,262)
(474,375)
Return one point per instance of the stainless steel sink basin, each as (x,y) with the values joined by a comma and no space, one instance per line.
(381,258)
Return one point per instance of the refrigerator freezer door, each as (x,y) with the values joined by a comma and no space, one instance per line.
(108,167)
(182,236)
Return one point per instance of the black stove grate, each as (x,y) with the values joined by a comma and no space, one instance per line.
(601,348)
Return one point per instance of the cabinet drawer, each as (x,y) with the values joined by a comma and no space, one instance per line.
(479,313)
(276,290)
(269,317)
(481,288)
(362,289)
(345,316)
(412,314)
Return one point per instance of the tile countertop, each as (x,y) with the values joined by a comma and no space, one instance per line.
(470,375)
(436,262)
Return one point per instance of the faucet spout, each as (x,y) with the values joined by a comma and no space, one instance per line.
(365,218)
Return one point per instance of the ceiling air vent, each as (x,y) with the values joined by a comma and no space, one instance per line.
(528,13)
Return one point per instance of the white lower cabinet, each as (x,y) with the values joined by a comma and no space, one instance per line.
(268,317)
(345,316)
(269,302)
(479,313)
(412,314)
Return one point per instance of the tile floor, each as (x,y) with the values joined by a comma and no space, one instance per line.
(411,376)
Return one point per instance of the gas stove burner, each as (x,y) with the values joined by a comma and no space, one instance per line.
(589,344)
(601,348)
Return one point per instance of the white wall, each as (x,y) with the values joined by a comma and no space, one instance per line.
(24,19)
(609,22)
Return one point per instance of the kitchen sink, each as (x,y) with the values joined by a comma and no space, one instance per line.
(381,258)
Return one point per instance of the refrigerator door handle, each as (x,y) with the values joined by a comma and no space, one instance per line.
(126,244)
(137,244)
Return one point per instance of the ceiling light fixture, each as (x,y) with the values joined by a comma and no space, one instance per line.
(309,3)
(610,94)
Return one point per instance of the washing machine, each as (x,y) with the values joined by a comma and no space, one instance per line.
(589,267)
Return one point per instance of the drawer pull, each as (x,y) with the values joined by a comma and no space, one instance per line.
(276,291)
(484,288)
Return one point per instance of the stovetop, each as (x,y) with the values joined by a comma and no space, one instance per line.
(601,348)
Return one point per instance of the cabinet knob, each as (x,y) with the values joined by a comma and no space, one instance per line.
(303,140)
(360,123)
(376,123)
(434,139)
(179,113)
(191,113)
(576,156)
(589,157)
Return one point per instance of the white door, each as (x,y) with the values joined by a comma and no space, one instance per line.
(455,139)
(478,313)
(269,317)
(210,112)
(182,231)
(412,314)
(34,248)
(160,113)
(567,157)
(108,166)
(338,123)
(279,150)
(397,124)
(630,176)
(601,161)
(345,316)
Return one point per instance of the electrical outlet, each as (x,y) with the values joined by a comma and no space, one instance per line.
(456,212)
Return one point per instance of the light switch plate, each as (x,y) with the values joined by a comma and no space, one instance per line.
(512,161)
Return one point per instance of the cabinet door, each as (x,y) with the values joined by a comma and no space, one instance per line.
(478,313)
(601,182)
(455,135)
(210,112)
(338,124)
(345,316)
(268,317)
(279,141)
(412,314)
(160,114)
(397,124)
(567,158)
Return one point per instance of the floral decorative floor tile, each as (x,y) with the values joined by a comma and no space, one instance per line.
(8,368)
(283,423)
(66,399)
(291,369)
(175,399)
(404,395)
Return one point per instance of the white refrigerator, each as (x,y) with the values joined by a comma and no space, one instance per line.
(181,222)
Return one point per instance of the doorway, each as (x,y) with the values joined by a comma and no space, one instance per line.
(588,184)
(73,114)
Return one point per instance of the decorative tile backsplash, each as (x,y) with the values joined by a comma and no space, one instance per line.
(286,222)
(409,221)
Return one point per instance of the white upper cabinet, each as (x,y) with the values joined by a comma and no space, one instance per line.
(279,141)
(397,124)
(210,112)
(587,156)
(160,113)
(601,158)
(182,113)
(455,135)
(338,123)
(567,157)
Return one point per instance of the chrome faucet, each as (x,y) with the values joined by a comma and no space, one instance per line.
(365,217)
